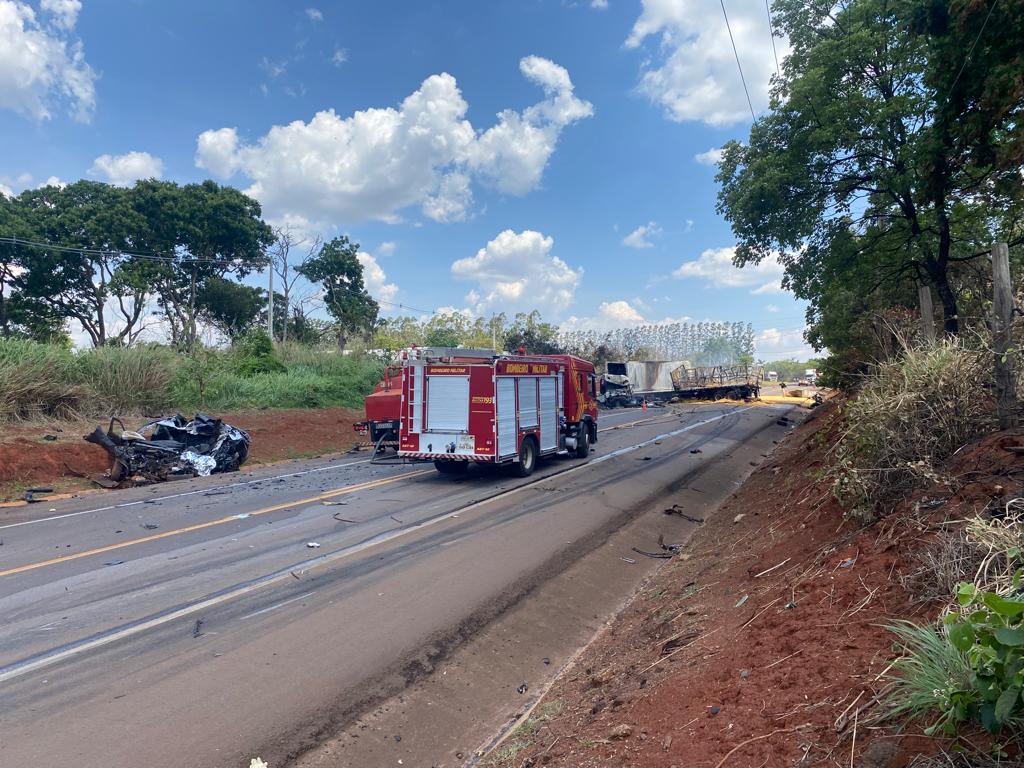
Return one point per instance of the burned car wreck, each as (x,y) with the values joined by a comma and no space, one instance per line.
(171,447)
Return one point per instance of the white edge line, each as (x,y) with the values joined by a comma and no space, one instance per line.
(275,606)
(17,670)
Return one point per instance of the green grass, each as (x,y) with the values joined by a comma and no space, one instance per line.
(43,381)
(930,680)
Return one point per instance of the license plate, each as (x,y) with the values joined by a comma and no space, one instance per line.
(466,443)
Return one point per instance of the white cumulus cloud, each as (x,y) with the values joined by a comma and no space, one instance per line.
(641,236)
(711,157)
(124,170)
(65,11)
(599,4)
(693,73)
(619,313)
(516,272)
(376,280)
(775,344)
(715,266)
(315,14)
(379,161)
(40,65)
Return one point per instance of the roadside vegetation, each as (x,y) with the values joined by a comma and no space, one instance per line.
(50,381)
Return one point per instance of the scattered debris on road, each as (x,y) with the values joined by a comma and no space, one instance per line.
(629,560)
(313,544)
(675,509)
(176,447)
(656,555)
(31,494)
(197,630)
(523,688)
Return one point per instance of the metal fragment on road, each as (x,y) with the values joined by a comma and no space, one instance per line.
(313,544)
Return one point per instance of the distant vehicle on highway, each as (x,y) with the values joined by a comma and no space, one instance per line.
(803,383)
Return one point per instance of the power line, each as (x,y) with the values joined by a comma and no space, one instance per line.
(738,66)
(771,34)
(976,39)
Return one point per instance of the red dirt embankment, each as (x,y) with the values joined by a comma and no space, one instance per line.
(760,644)
(27,459)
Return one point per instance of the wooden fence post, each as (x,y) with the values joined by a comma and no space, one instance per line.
(924,297)
(1002,317)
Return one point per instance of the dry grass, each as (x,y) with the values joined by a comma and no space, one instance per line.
(913,414)
(942,565)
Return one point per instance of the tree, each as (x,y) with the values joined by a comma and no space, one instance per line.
(203,231)
(340,274)
(100,286)
(531,333)
(876,149)
(289,254)
(232,308)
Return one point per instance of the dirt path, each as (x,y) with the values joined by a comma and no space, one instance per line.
(28,458)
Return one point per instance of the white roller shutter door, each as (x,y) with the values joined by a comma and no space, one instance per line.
(528,402)
(506,405)
(447,403)
(548,414)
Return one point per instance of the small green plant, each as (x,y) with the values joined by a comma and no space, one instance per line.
(990,632)
(930,679)
(970,669)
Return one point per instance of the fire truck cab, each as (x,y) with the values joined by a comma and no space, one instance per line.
(464,405)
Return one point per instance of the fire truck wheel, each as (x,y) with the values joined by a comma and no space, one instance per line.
(527,457)
(583,441)
(446,467)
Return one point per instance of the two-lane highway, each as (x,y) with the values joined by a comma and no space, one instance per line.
(202,622)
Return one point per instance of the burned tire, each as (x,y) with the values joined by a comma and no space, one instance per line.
(448,467)
(527,457)
(583,441)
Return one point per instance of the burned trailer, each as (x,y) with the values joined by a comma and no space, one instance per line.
(636,382)
(461,406)
(735,382)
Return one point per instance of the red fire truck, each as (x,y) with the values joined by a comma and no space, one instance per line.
(465,405)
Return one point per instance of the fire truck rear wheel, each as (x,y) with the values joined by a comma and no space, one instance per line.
(583,441)
(446,467)
(527,457)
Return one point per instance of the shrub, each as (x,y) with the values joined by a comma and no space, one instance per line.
(913,413)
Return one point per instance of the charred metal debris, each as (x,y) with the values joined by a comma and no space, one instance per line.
(170,448)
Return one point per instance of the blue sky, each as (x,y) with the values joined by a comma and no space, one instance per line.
(488,156)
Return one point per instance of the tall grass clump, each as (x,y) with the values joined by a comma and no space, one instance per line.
(39,380)
(128,380)
(931,679)
(912,414)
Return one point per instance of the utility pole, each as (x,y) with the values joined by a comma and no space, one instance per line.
(1002,316)
(924,296)
(270,302)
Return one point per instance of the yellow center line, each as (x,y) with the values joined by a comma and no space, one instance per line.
(211,523)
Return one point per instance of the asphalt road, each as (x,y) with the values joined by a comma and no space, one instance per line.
(193,624)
